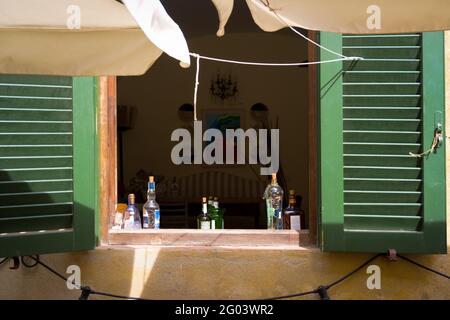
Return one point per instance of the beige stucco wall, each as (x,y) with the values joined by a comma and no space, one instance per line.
(225,274)
(221,273)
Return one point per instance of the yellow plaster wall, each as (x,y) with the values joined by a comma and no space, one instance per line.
(182,273)
(219,273)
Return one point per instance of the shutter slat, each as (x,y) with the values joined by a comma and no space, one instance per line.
(373,160)
(383,65)
(51,92)
(382,112)
(382,222)
(36,150)
(36,185)
(25,210)
(36,223)
(382,184)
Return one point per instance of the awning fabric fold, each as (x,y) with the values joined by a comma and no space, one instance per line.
(345,16)
(41,37)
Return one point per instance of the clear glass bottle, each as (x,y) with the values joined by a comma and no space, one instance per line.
(132,218)
(151,213)
(203,220)
(274,204)
(292,217)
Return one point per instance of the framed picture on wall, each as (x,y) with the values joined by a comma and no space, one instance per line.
(223,119)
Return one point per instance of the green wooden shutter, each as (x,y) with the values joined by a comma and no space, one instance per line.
(47,164)
(374,195)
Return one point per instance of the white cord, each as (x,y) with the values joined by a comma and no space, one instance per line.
(197,83)
(273,64)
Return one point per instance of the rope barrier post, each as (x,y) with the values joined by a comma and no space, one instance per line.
(323,293)
(85,292)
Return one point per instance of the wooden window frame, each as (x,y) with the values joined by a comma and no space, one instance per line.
(107,133)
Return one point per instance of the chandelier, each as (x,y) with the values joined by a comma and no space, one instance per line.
(224,88)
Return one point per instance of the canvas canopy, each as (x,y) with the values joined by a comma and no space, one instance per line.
(105,37)
(86,37)
(344,16)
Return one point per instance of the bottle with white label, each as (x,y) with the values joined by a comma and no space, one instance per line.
(203,220)
(132,218)
(291,214)
(151,213)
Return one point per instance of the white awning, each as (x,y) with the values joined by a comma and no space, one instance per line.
(345,16)
(86,37)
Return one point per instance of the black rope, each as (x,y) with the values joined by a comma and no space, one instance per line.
(85,290)
(56,273)
(353,272)
(322,290)
(423,267)
(22,259)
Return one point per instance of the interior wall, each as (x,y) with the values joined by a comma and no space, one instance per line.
(157,95)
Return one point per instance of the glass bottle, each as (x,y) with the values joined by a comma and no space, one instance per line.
(274,204)
(291,217)
(203,219)
(210,204)
(151,213)
(216,215)
(132,217)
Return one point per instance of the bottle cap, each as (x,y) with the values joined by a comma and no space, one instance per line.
(151,179)
(204,199)
(215,198)
(292,192)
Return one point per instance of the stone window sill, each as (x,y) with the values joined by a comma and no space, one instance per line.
(279,239)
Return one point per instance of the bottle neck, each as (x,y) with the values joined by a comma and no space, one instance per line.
(205,208)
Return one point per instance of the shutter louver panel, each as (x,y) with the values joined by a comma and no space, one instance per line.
(36,190)
(47,164)
(382,122)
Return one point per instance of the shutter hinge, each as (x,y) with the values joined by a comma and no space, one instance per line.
(392,255)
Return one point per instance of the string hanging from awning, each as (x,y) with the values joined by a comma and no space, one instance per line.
(266,64)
